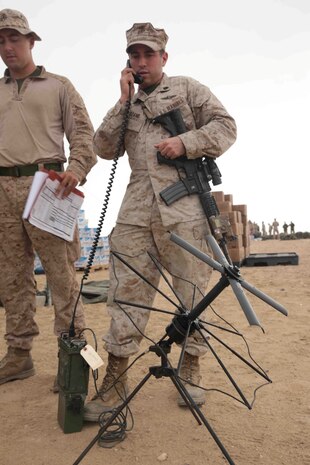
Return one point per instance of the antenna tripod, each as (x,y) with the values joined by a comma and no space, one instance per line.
(183,325)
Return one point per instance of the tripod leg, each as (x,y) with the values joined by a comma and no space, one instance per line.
(198,413)
(112,418)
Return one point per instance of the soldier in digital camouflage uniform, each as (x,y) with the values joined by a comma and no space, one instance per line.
(144,221)
(36,109)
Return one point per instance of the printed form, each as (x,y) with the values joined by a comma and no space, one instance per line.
(49,212)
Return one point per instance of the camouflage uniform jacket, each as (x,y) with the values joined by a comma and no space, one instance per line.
(211,131)
(33,122)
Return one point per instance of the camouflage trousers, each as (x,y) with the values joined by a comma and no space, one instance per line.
(134,243)
(18,240)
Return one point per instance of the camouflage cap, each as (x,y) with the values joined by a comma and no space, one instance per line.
(146,34)
(13,19)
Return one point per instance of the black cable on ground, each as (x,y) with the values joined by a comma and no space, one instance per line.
(116,431)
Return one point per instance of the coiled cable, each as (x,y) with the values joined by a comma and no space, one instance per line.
(103,210)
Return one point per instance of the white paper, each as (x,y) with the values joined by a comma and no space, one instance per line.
(36,186)
(54,214)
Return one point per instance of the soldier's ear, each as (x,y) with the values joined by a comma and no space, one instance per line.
(164,58)
(31,41)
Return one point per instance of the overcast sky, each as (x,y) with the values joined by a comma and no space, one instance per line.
(253,54)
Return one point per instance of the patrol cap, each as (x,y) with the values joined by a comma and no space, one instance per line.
(13,19)
(146,34)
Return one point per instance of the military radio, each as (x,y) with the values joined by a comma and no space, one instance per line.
(73,375)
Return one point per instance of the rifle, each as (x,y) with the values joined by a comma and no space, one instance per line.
(199,172)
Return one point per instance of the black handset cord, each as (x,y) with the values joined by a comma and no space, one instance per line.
(104,207)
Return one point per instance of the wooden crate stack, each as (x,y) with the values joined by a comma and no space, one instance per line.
(239,248)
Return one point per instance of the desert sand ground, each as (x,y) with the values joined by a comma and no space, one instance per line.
(276,431)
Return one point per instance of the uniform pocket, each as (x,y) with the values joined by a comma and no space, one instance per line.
(135,123)
(200,230)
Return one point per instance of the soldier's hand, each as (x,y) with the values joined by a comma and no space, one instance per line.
(127,84)
(172,147)
(68,182)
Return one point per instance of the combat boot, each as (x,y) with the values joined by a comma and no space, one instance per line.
(190,373)
(17,364)
(109,397)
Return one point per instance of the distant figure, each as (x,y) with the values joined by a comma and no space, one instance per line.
(270,229)
(285,226)
(256,230)
(264,229)
(292,226)
(253,229)
(275,226)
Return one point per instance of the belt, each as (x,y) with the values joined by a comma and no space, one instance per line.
(29,170)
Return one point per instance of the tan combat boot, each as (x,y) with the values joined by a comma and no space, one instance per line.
(190,372)
(17,364)
(109,398)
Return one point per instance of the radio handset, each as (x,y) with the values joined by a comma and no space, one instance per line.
(137,78)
